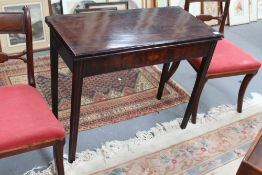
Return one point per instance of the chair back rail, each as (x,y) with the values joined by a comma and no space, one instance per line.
(12,22)
(15,22)
(222,12)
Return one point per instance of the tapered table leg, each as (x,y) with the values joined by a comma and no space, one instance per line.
(54,79)
(77,83)
(162,80)
(199,84)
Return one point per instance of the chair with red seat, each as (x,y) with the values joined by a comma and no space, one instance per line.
(26,122)
(227,60)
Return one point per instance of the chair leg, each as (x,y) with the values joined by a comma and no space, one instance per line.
(242,91)
(167,73)
(195,108)
(58,150)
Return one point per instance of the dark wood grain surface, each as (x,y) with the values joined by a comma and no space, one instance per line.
(252,162)
(110,32)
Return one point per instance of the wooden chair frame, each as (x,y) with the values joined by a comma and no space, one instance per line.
(19,23)
(222,16)
(13,22)
(249,74)
(168,72)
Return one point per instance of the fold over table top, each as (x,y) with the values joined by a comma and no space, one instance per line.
(103,33)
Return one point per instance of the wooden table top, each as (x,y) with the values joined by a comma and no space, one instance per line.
(95,34)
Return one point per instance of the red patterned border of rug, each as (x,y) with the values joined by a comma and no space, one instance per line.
(106,98)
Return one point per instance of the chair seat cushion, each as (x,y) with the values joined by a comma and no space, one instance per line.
(228,58)
(25,118)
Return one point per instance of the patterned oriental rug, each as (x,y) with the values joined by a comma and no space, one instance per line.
(106,98)
(213,146)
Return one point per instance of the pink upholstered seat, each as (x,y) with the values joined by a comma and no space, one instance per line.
(25,118)
(228,58)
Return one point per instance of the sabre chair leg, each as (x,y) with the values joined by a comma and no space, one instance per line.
(242,91)
(195,108)
(58,150)
(167,73)
(172,69)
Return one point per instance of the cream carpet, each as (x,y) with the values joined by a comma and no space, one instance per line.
(161,149)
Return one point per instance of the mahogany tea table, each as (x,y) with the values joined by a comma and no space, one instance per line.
(104,42)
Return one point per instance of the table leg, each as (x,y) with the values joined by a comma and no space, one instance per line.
(162,80)
(77,83)
(54,79)
(199,84)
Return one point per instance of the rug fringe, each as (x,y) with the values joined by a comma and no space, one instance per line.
(115,148)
